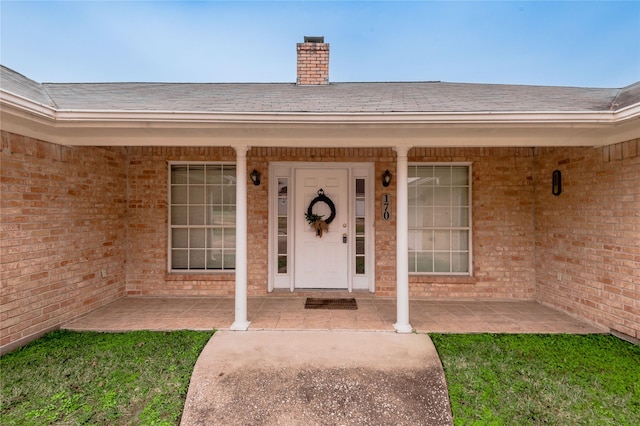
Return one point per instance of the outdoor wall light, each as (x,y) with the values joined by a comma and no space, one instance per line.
(556,182)
(255,177)
(386,178)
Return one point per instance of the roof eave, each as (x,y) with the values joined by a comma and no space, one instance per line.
(117,127)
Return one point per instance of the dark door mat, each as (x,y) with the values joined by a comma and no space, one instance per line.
(316,303)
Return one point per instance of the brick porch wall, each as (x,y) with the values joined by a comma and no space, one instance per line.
(588,238)
(61,225)
(502,221)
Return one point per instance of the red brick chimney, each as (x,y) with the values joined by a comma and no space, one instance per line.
(313,62)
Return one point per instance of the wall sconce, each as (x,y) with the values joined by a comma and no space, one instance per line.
(255,177)
(556,182)
(386,178)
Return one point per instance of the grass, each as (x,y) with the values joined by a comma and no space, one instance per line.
(541,379)
(75,378)
(141,378)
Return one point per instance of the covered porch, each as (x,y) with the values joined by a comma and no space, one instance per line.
(286,311)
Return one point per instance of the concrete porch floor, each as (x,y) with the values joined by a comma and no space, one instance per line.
(285,311)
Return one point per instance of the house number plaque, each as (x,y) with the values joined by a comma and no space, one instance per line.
(386,207)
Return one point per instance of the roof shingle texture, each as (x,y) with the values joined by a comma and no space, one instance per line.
(410,97)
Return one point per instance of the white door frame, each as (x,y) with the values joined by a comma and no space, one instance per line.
(286,170)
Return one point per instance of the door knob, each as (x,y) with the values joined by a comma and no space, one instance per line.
(344,238)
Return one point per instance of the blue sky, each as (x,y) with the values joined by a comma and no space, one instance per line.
(567,43)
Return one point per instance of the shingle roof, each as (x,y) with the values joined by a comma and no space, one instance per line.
(427,97)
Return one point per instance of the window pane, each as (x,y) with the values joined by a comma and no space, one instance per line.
(441,262)
(230,238)
(196,175)
(442,175)
(196,259)
(282,206)
(179,175)
(197,237)
(282,226)
(229,215)
(179,259)
(196,194)
(359,187)
(459,240)
(179,194)
(460,217)
(359,207)
(229,194)
(196,215)
(441,240)
(442,196)
(460,196)
(442,218)
(360,225)
(459,262)
(215,238)
(459,175)
(214,259)
(214,194)
(424,196)
(282,264)
(360,261)
(424,261)
(282,245)
(229,261)
(214,175)
(359,245)
(180,238)
(424,240)
(179,215)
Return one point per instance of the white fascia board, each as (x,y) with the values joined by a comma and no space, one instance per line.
(588,117)
(26,106)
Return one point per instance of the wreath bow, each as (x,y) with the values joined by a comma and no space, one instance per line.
(315,220)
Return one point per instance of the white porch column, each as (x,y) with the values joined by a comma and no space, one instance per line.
(241,323)
(402,245)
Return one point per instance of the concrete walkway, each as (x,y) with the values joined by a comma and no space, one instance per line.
(317,378)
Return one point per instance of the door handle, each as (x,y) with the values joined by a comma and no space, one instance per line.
(344,238)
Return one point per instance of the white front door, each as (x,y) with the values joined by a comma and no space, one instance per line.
(322,261)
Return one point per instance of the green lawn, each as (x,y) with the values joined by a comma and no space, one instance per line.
(141,378)
(137,378)
(541,379)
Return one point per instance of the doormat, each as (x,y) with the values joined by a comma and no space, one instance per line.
(315,303)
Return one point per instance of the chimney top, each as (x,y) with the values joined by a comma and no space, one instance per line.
(313,62)
(313,39)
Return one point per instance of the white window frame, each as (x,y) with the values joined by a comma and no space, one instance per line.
(470,221)
(169,220)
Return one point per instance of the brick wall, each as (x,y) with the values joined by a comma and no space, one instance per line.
(61,226)
(588,238)
(502,225)
(148,225)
